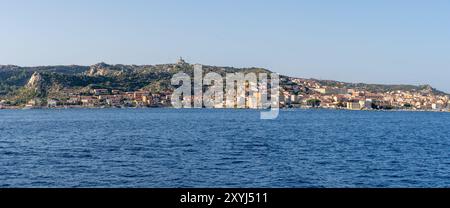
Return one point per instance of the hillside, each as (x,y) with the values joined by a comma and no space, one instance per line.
(382,88)
(14,80)
(23,83)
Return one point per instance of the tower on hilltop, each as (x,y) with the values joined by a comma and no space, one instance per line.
(181,61)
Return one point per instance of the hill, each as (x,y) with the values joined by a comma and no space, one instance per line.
(23,83)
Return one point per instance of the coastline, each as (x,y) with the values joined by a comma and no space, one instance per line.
(14,108)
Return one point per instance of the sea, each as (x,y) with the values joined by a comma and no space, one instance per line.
(223,148)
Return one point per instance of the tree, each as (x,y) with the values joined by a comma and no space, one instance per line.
(407,105)
(313,102)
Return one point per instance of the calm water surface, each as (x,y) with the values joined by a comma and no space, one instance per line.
(223,148)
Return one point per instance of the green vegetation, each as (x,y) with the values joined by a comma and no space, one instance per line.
(23,95)
(59,81)
(78,79)
(407,105)
(313,102)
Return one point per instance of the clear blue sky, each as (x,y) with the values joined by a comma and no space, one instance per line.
(378,41)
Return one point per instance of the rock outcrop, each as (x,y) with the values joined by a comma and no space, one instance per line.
(103,69)
(35,82)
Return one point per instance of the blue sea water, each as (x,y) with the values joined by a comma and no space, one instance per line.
(223,148)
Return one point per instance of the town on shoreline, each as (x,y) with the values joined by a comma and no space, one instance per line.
(148,86)
(290,97)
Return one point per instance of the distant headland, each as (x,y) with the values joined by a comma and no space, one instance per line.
(116,86)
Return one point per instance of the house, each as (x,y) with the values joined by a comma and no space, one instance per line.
(295,99)
(354,105)
(140,94)
(254,100)
(321,90)
(129,95)
(34,102)
(436,106)
(89,101)
(52,103)
(74,100)
(331,91)
(147,99)
(368,103)
(3,104)
(112,100)
(115,92)
(100,91)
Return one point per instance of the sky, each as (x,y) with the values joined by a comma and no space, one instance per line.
(378,41)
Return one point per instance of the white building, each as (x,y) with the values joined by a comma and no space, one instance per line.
(368,104)
(436,106)
(51,103)
(331,91)
(355,105)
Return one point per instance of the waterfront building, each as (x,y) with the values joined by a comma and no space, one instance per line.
(254,100)
(89,101)
(368,103)
(354,105)
(436,106)
(33,103)
(52,103)
(295,99)
(73,100)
